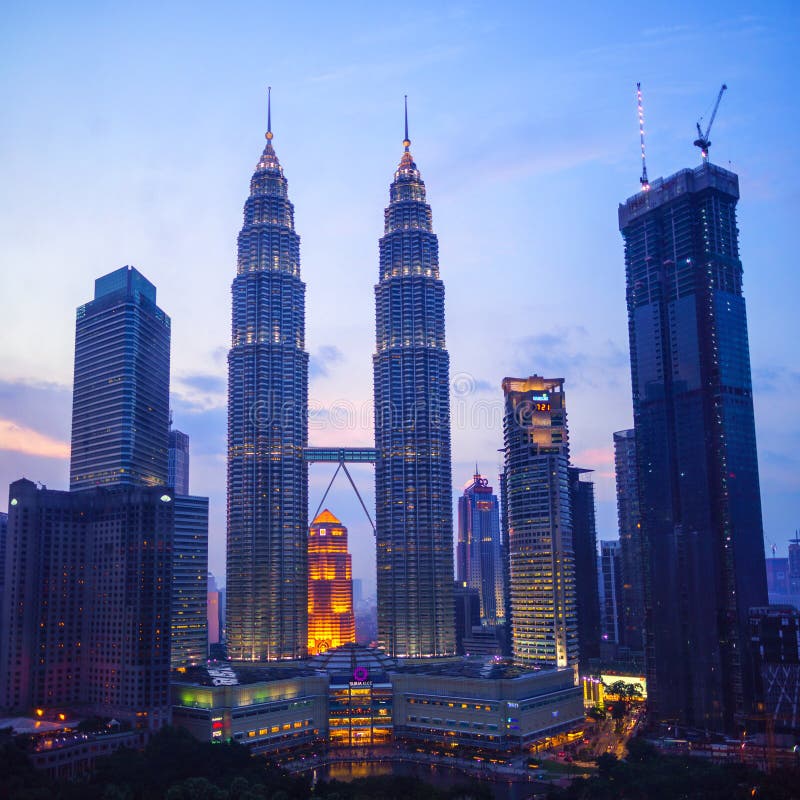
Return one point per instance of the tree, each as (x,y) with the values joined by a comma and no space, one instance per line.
(618,712)
(195,789)
(606,764)
(596,713)
(635,691)
(640,750)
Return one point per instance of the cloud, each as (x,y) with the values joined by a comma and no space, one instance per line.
(21,439)
(220,355)
(195,394)
(42,406)
(209,384)
(778,459)
(464,384)
(325,356)
(207,426)
(771,379)
(572,353)
(665,31)
(595,456)
(482,385)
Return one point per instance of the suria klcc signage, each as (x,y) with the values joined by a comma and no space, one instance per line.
(361,677)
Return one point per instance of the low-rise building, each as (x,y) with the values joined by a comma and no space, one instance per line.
(60,749)
(492,706)
(355,696)
(269,709)
(359,695)
(775,644)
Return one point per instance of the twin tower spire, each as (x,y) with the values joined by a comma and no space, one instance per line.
(267,546)
(269,134)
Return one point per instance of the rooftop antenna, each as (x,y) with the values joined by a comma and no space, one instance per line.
(643,180)
(406,141)
(702,141)
(269,113)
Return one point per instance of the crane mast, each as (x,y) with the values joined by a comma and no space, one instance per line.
(643,180)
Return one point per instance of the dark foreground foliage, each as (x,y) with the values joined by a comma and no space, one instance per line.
(647,775)
(175,766)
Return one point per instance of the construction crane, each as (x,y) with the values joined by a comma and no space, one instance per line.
(702,141)
(643,180)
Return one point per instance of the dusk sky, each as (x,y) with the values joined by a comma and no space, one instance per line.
(130,133)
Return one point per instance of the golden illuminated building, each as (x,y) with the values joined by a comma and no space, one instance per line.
(330,585)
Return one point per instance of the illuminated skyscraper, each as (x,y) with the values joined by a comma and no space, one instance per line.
(544,620)
(330,585)
(413,492)
(267,429)
(699,497)
(479,551)
(120,406)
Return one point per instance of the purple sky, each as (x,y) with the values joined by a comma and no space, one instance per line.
(130,136)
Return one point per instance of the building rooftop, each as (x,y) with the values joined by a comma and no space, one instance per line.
(492,668)
(224,673)
(685,181)
(30,725)
(354,662)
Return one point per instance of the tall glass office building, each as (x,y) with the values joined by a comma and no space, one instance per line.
(178,462)
(413,492)
(479,551)
(631,597)
(538,513)
(699,493)
(120,405)
(584,547)
(267,430)
(189,619)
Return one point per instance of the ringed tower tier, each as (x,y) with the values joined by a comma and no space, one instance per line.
(331,622)
(267,429)
(413,492)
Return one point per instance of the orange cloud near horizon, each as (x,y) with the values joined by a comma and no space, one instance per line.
(20,439)
(594,456)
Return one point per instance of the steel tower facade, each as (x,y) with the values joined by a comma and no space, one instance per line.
(267,573)
(699,497)
(413,491)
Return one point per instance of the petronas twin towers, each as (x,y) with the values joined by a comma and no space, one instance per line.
(268,429)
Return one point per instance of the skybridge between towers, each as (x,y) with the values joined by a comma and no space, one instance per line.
(342,456)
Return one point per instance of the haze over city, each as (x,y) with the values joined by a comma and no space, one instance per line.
(132,134)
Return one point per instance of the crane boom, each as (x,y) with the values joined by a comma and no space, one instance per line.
(702,141)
